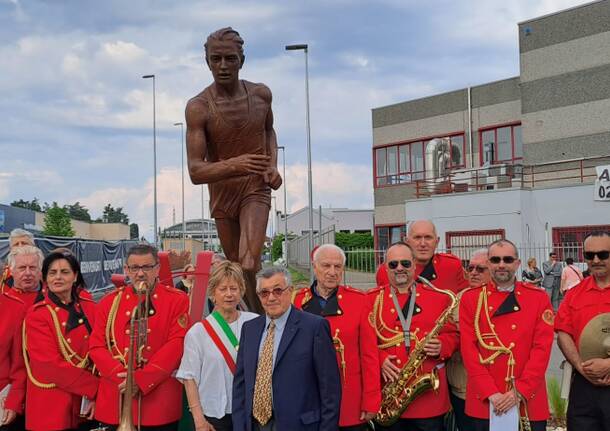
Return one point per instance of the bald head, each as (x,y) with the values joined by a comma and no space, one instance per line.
(423,239)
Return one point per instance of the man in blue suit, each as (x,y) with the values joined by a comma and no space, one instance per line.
(287,378)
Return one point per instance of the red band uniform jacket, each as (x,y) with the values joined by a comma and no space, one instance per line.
(13,307)
(444,271)
(347,312)
(167,325)
(581,304)
(523,322)
(429,305)
(56,383)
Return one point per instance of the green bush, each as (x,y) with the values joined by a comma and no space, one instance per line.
(349,241)
(558,405)
(358,248)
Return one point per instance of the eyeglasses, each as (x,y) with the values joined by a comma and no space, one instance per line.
(276,292)
(602,255)
(137,268)
(480,269)
(393,264)
(506,259)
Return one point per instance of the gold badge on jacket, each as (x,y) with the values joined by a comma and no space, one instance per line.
(183,320)
(548,317)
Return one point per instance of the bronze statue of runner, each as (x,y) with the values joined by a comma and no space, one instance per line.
(232,147)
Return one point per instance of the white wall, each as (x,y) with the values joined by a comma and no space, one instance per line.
(342,219)
(526,216)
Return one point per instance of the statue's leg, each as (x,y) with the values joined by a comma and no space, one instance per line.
(228,233)
(253,224)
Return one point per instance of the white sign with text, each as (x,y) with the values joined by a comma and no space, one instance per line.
(602,184)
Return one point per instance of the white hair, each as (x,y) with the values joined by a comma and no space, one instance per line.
(26,250)
(479,252)
(18,233)
(329,247)
(267,273)
(410,225)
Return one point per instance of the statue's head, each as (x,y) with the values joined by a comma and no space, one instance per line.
(226,34)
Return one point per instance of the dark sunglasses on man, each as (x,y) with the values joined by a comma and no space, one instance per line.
(497,259)
(393,264)
(602,255)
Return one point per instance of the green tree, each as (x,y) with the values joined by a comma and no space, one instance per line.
(78,212)
(113,215)
(57,222)
(33,205)
(134,231)
(276,247)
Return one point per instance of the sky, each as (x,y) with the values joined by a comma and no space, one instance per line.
(77,116)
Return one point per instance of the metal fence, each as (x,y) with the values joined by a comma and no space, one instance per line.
(298,248)
(361,264)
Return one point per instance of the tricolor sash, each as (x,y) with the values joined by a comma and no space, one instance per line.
(223,337)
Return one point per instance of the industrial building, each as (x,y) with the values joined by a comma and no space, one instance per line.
(511,159)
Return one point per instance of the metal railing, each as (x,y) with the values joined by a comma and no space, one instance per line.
(298,248)
(504,176)
(361,264)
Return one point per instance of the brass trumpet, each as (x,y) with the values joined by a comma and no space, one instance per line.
(138,330)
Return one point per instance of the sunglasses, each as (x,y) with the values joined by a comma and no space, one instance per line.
(602,255)
(506,259)
(276,292)
(480,269)
(393,264)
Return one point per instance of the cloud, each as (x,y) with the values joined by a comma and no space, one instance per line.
(77,115)
(334,184)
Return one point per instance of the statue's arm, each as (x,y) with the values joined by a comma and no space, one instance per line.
(273,177)
(202,171)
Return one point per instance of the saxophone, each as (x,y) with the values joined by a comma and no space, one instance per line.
(411,383)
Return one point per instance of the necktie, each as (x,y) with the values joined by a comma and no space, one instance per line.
(262,404)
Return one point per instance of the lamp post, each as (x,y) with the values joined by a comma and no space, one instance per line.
(285,199)
(273,220)
(154,157)
(182,172)
(304,48)
(202,219)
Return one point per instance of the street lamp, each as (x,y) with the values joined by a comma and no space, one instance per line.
(202,220)
(285,199)
(182,172)
(304,48)
(273,220)
(154,157)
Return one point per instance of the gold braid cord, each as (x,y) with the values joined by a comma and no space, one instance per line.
(497,350)
(111,343)
(4,278)
(500,349)
(65,349)
(340,349)
(376,321)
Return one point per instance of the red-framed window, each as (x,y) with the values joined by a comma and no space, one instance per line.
(500,144)
(463,243)
(568,240)
(386,235)
(405,162)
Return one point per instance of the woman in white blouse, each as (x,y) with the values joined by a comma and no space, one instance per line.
(210,351)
